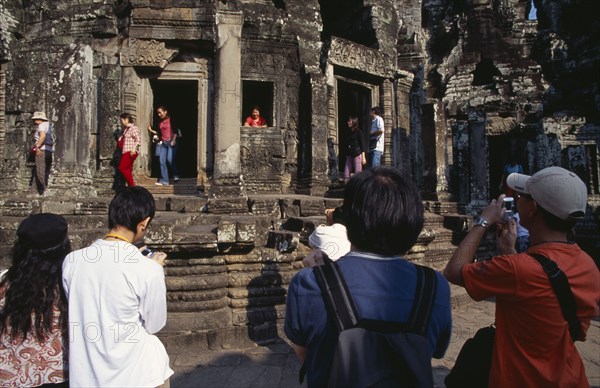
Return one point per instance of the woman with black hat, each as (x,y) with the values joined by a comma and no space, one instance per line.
(33,307)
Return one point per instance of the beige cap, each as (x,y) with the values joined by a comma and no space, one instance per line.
(558,191)
(39,116)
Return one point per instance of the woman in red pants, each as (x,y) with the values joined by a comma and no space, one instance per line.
(129,142)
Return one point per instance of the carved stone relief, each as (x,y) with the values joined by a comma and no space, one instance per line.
(146,53)
(348,54)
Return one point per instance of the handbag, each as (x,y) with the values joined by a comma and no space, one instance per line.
(373,142)
(472,366)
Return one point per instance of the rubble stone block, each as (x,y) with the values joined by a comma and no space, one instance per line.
(282,241)
(226,233)
(245,231)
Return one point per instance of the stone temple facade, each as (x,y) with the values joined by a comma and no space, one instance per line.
(463,86)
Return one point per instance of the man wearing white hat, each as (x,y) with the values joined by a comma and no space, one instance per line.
(533,345)
(43,149)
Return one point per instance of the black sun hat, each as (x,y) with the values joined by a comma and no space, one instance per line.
(42,231)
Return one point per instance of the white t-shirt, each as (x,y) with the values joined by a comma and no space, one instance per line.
(377,125)
(331,239)
(44,127)
(117,300)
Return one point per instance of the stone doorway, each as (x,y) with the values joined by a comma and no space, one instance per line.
(353,99)
(180,97)
(501,149)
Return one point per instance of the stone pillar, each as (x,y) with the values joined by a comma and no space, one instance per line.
(461,168)
(399,147)
(435,184)
(479,160)
(108,120)
(319,182)
(72,115)
(387,105)
(227,181)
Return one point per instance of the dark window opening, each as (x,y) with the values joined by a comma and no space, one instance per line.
(484,73)
(180,98)
(257,93)
(348,19)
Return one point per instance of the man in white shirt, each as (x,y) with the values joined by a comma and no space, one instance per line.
(42,149)
(376,138)
(117,301)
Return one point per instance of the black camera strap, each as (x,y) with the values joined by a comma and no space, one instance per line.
(562,289)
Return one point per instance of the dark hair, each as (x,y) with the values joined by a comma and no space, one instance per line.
(127,116)
(383,211)
(256,107)
(555,223)
(338,215)
(129,207)
(354,121)
(33,284)
(376,110)
(162,107)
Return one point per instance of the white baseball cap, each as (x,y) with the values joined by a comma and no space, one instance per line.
(558,191)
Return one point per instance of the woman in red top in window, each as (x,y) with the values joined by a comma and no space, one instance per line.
(255,120)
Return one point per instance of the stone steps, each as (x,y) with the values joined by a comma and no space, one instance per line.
(185,186)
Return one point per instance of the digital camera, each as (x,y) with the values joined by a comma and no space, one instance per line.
(509,206)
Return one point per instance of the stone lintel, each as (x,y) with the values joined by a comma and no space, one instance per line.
(146,53)
(345,53)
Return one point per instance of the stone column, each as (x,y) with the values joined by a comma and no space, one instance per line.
(461,167)
(227,181)
(435,184)
(109,108)
(479,160)
(400,157)
(72,115)
(319,182)
(387,105)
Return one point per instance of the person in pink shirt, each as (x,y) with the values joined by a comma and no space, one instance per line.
(129,142)
(167,146)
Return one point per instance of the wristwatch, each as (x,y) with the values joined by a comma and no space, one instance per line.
(481,222)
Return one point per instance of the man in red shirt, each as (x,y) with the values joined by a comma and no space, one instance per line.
(533,346)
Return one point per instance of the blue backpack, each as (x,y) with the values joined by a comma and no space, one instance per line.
(49,139)
(372,353)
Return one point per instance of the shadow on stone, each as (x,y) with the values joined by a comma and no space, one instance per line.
(266,300)
(274,365)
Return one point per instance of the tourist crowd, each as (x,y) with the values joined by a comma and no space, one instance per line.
(360,314)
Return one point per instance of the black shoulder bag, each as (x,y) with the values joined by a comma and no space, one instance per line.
(472,366)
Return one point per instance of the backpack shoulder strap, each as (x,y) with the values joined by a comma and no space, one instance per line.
(562,289)
(424,300)
(335,293)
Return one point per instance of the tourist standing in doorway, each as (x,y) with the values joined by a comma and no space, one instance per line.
(376,138)
(255,119)
(509,168)
(129,143)
(356,151)
(167,143)
(117,301)
(42,148)
(33,313)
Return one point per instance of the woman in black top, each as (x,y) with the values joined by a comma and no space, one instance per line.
(355,158)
